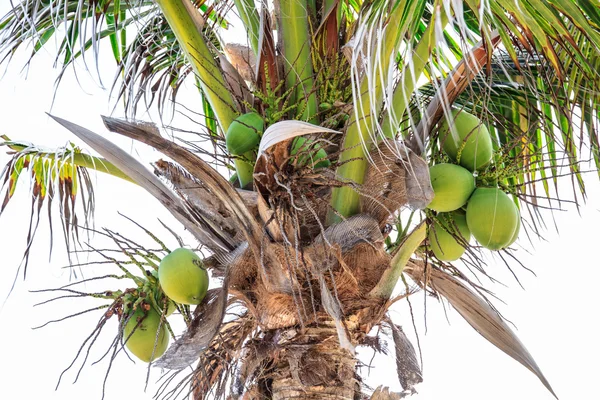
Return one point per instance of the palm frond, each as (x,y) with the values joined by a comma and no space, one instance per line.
(150,64)
(76,26)
(478,313)
(54,175)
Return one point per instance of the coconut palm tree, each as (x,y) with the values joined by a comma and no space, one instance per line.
(330,116)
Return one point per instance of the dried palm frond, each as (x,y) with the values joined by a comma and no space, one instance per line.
(478,313)
(218,364)
(205,324)
(407,366)
(148,181)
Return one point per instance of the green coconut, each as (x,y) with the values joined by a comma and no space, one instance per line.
(183,277)
(160,298)
(443,235)
(492,218)
(452,185)
(469,143)
(312,157)
(140,335)
(517,231)
(244,133)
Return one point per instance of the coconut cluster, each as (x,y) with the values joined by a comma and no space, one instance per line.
(463,209)
(183,280)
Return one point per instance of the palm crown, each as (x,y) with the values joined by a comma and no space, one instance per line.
(335,119)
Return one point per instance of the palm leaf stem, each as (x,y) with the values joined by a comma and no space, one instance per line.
(359,136)
(387,283)
(186,28)
(412,72)
(294,28)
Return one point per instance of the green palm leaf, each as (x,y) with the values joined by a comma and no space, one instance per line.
(55,176)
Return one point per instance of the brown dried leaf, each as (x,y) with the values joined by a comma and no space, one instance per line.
(205,325)
(136,171)
(200,170)
(383,393)
(242,58)
(481,316)
(407,366)
(235,82)
(332,306)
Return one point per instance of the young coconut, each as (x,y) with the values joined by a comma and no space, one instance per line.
(469,141)
(515,235)
(443,236)
(492,218)
(161,298)
(183,277)
(244,133)
(452,185)
(142,337)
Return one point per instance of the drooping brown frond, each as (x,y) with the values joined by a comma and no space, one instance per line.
(144,178)
(407,366)
(201,331)
(478,313)
(204,203)
(198,168)
(218,363)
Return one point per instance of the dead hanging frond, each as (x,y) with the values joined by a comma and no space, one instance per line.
(55,175)
(407,365)
(479,314)
(201,200)
(219,362)
(147,180)
(203,328)
(198,168)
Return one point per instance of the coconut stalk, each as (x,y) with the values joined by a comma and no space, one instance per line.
(359,136)
(390,276)
(186,24)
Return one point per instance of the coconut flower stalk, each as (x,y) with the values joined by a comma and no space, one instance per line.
(325,224)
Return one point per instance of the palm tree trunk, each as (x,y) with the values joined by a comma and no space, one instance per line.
(307,365)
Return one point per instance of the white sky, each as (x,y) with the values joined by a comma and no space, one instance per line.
(556,314)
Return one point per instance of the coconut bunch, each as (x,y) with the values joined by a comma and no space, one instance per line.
(463,205)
